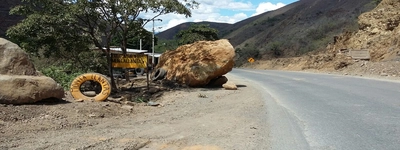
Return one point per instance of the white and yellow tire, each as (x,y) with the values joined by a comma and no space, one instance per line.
(99,78)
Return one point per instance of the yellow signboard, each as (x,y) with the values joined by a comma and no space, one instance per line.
(129,61)
(251,60)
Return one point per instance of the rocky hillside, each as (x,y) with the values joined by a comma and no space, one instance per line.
(301,27)
(7,20)
(379,32)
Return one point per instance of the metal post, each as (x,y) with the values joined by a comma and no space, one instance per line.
(152,51)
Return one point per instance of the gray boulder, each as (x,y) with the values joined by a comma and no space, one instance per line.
(28,89)
(14,60)
(19,81)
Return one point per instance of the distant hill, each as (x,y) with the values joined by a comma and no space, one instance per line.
(304,26)
(170,33)
(7,20)
(298,28)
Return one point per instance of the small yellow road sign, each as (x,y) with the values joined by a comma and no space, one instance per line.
(251,60)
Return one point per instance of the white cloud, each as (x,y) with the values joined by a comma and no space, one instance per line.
(225,4)
(233,5)
(267,6)
(173,22)
(222,19)
(225,11)
(208,10)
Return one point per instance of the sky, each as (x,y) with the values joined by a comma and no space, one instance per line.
(224,11)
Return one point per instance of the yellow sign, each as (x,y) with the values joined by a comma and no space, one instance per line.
(251,60)
(129,61)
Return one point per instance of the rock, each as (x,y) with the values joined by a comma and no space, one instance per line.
(202,95)
(127,107)
(198,63)
(28,89)
(129,103)
(218,82)
(230,86)
(153,90)
(115,99)
(384,74)
(375,31)
(378,29)
(79,100)
(151,103)
(89,93)
(14,61)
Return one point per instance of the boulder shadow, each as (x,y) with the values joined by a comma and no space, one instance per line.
(210,88)
(241,85)
(50,101)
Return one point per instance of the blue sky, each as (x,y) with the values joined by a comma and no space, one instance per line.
(226,11)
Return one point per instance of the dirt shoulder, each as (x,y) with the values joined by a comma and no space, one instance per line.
(192,118)
(333,65)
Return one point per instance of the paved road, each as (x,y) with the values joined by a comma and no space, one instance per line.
(329,112)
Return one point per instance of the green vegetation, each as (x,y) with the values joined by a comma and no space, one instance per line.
(322,29)
(243,54)
(66,28)
(64,70)
(60,75)
(133,39)
(164,45)
(276,49)
(296,32)
(377,1)
(270,21)
(197,32)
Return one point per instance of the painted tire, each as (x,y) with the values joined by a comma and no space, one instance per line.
(96,77)
(159,74)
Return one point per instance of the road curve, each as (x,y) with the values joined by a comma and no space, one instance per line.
(328,112)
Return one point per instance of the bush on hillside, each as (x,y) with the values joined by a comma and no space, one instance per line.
(63,71)
(64,78)
(243,54)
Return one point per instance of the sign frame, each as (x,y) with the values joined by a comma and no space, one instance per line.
(129,61)
(251,59)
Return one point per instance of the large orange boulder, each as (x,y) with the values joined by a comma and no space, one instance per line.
(198,63)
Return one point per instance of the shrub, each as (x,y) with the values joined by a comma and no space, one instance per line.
(60,75)
(377,1)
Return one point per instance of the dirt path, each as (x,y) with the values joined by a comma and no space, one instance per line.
(189,119)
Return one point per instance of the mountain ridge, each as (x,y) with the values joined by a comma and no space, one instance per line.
(171,32)
(295,29)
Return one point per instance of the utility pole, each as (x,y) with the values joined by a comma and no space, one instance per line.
(152,51)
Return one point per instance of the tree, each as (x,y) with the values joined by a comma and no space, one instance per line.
(133,40)
(97,21)
(48,33)
(164,45)
(197,32)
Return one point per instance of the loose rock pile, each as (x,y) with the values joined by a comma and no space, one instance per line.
(378,32)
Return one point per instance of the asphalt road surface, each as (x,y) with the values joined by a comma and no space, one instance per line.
(328,112)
